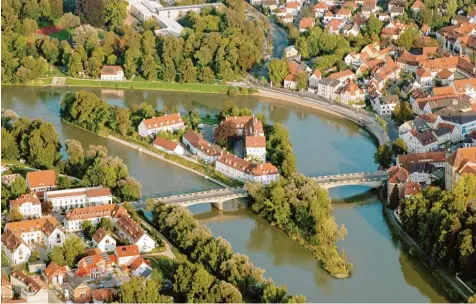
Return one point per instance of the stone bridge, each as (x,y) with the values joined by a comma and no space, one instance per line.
(218,196)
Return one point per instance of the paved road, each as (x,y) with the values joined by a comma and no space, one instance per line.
(381,175)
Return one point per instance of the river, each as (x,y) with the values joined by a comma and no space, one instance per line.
(323,145)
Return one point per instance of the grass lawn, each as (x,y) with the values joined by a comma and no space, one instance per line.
(210,121)
(152,85)
(5,260)
(65,34)
(159,262)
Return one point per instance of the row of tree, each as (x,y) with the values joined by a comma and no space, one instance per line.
(303,210)
(444,225)
(242,280)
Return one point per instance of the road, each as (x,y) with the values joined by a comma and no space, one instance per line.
(381,175)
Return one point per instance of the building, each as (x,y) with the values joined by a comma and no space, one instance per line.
(28,204)
(327,88)
(320,9)
(240,169)
(78,290)
(424,78)
(461,162)
(41,181)
(171,122)
(255,147)
(140,268)
(168,146)
(350,93)
(30,288)
(56,274)
(342,76)
(315,78)
(15,248)
(103,241)
(127,254)
(419,142)
(96,264)
(292,53)
(43,230)
(112,72)
(397,177)
(102,295)
(306,23)
(199,146)
(384,105)
(396,11)
(127,228)
(80,197)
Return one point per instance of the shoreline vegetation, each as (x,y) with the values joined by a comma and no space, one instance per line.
(304,212)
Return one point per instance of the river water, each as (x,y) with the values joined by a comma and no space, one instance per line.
(323,145)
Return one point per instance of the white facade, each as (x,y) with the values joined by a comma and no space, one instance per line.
(178,149)
(143,130)
(313,81)
(240,175)
(145,243)
(139,270)
(256,152)
(56,238)
(107,244)
(77,198)
(30,210)
(77,225)
(382,108)
(19,255)
(194,150)
(415,146)
(118,76)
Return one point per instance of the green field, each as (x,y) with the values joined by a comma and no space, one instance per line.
(65,34)
(210,121)
(152,85)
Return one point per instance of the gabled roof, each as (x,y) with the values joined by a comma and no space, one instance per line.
(397,175)
(99,235)
(126,251)
(165,143)
(426,157)
(11,240)
(31,225)
(45,178)
(111,70)
(341,74)
(25,198)
(54,269)
(418,5)
(34,284)
(198,142)
(161,121)
(85,213)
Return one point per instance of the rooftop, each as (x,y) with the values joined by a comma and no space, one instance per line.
(45,178)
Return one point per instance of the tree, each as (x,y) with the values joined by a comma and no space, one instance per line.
(115,12)
(274,294)
(9,146)
(132,211)
(14,215)
(407,39)
(383,156)
(296,299)
(131,57)
(88,227)
(56,8)
(122,119)
(91,12)
(129,189)
(46,207)
(149,204)
(394,199)
(225,133)
(44,145)
(399,147)
(402,112)
(35,256)
(75,152)
(29,26)
(50,51)
(18,187)
(188,71)
(301,80)
(86,35)
(56,256)
(106,224)
(75,65)
(69,20)
(226,293)
(374,25)
(277,71)
(73,248)
(44,8)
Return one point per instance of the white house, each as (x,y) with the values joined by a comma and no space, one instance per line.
(419,142)
(154,125)
(200,147)
(41,181)
(43,230)
(126,254)
(15,248)
(168,146)
(79,197)
(112,72)
(30,289)
(28,204)
(240,169)
(315,78)
(134,233)
(255,147)
(140,268)
(384,105)
(103,241)
(291,51)
(327,88)
(424,78)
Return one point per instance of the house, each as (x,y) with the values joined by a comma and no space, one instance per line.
(393,30)
(397,177)
(103,241)
(446,77)
(315,78)
(8,179)
(96,264)
(200,147)
(353,58)
(384,105)
(43,230)
(447,133)
(56,274)
(449,35)
(424,78)
(418,142)
(334,26)
(127,228)
(240,169)
(28,204)
(342,76)
(288,18)
(15,248)
(41,181)
(343,14)
(292,8)
(102,295)
(465,86)
(171,122)
(80,197)
(295,68)
(328,17)
(396,11)
(328,88)
(417,6)
(425,30)
(454,63)
(351,29)
(409,62)
(306,23)
(30,288)
(112,72)
(7,290)
(125,255)
(78,290)
(140,268)
(351,93)
(384,17)
(168,146)
(255,147)
(292,53)
(369,66)
(388,72)
(320,9)
(436,158)
(463,161)
(463,119)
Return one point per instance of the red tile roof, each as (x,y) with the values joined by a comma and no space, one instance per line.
(162,121)
(165,143)
(45,178)
(126,251)
(111,70)
(30,225)
(25,198)
(397,175)
(111,210)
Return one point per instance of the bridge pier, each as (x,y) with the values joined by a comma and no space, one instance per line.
(218,205)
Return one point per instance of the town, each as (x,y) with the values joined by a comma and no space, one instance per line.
(102,180)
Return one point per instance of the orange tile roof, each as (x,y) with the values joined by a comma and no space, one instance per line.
(130,227)
(103,294)
(126,251)
(165,143)
(54,269)
(344,12)
(443,91)
(306,22)
(33,284)
(197,141)
(111,210)
(98,192)
(341,74)
(136,263)
(45,178)
(111,70)
(432,157)
(445,74)
(418,5)
(99,235)
(320,5)
(461,85)
(255,141)
(30,225)
(242,165)
(165,120)
(421,72)
(25,198)
(317,73)
(91,192)
(412,188)
(461,157)
(397,175)
(11,240)
(292,5)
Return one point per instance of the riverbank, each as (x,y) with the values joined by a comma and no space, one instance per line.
(450,284)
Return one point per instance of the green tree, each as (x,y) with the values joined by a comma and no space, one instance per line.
(18,187)
(274,294)
(35,256)
(402,113)
(9,146)
(73,249)
(46,207)
(188,71)
(399,147)
(129,189)
(407,39)
(56,8)
(75,65)
(394,198)
(277,71)
(50,51)
(29,26)
(122,119)
(14,215)
(106,224)
(374,26)
(383,156)
(301,80)
(56,255)
(88,228)
(149,204)
(115,12)
(91,12)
